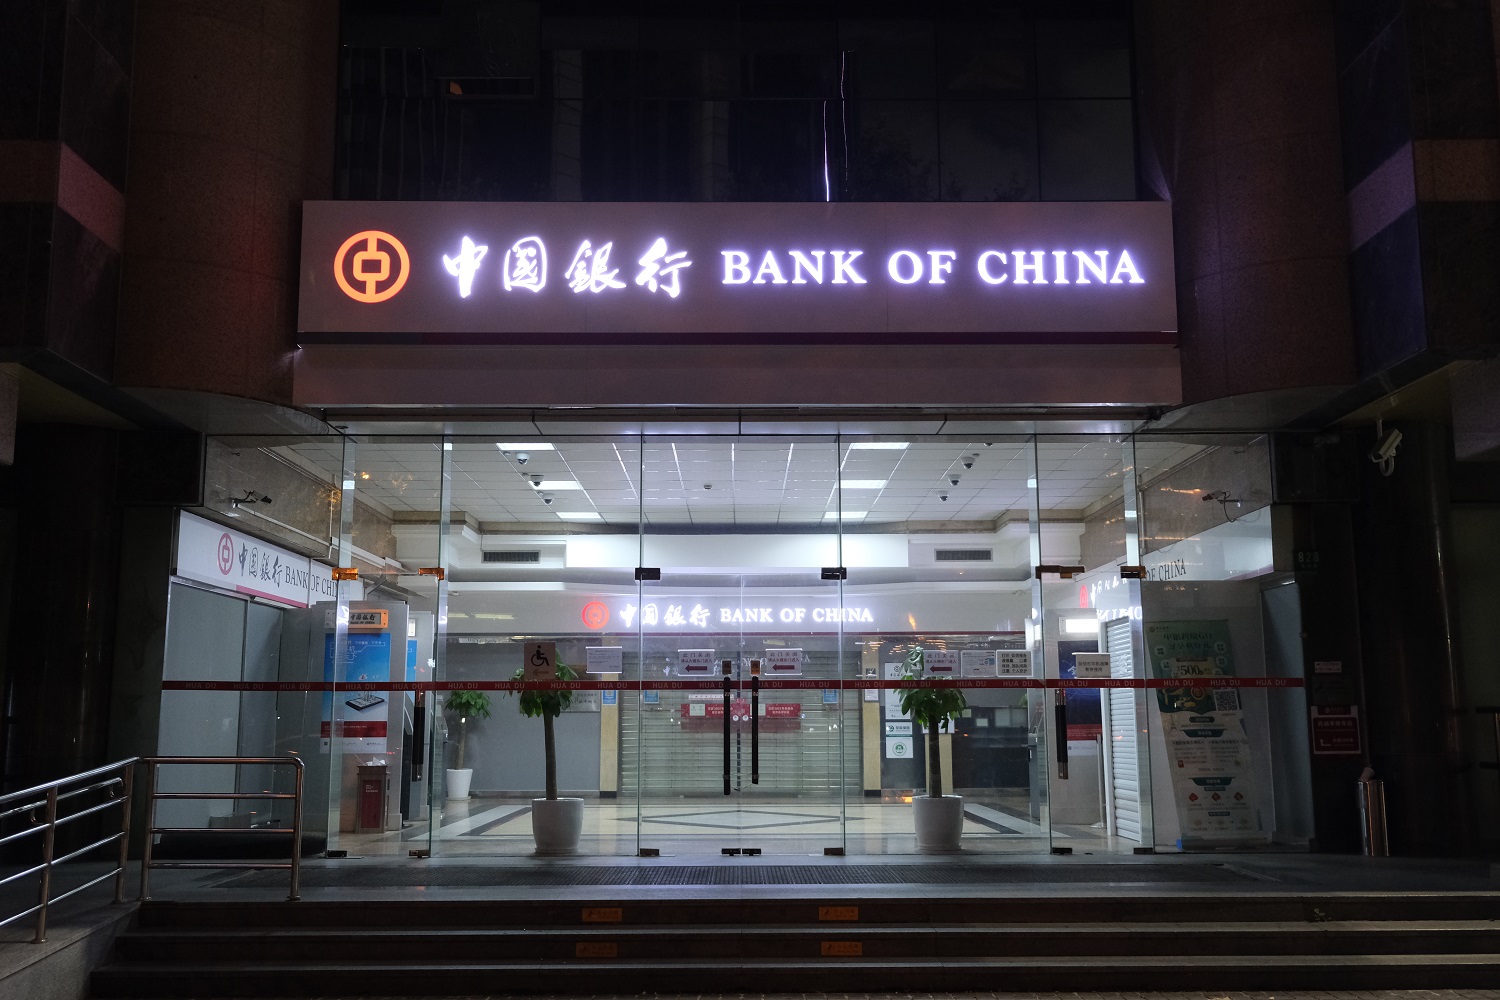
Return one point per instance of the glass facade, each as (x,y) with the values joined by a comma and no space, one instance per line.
(812,102)
(738,618)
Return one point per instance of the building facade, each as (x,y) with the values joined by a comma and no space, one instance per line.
(357,354)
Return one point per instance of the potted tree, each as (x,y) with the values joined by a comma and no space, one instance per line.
(939,818)
(555,822)
(464,705)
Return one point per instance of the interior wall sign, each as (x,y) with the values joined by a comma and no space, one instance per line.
(704,273)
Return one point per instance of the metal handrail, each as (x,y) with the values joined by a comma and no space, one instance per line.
(47,797)
(295,866)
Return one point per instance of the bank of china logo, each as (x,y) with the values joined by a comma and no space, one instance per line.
(371,266)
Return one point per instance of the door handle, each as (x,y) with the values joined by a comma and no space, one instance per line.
(754,722)
(725,666)
(1060,717)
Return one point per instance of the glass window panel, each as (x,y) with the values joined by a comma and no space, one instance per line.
(893,151)
(1083,59)
(986,57)
(1087,150)
(889,58)
(989,150)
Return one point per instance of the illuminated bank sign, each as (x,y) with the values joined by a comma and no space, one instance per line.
(688,614)
(444,272)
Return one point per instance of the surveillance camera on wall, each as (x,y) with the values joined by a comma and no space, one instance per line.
(1386,449)
(943,497)
(968,463)
(536,481)
(953,480)
(522,457)
(547,500)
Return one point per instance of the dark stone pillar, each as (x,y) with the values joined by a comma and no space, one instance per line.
(1411,669)
(232,122)
(59,654)
(1239,130)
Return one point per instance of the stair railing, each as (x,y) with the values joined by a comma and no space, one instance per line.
(153,767)
(59,803)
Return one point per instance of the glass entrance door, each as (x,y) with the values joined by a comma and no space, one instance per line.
(740,735)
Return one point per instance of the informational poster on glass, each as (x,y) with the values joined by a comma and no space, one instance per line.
(1208,751)
(605,659)
(783,662)
(695,662)
(364,710)
(980,663)
(1013,662)
(940,662)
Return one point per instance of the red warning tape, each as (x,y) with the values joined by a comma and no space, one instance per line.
(766,684)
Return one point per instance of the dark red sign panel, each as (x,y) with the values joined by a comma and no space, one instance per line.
(628,273)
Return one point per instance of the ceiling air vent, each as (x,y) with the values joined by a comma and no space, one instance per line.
(514,556)
(963,555)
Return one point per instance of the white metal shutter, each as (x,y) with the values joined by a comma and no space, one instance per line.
(1125,757)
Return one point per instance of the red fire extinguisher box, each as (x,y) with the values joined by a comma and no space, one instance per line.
(372,797)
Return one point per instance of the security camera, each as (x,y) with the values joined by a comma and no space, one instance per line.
(708,486)
(968,463)
(536,481)
(1386,449)
(943,497)
(953,480)
(1384,452)
(547,500)
(522,457)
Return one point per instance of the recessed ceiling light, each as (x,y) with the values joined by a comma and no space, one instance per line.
(579,515)
(558,484)
(848,515)
(879,445)
(862,484)
(514,446)
(1031,484)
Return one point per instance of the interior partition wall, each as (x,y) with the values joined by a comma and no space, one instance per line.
(738,617)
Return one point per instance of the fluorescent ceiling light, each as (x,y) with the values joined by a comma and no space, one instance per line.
(879,445)
(862,484)
(1078,626)
(515,446)
(848,515)
(557,484)
(579,515)
(1031,484)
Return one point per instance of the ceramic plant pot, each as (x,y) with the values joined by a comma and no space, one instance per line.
(940,822)
(556,825)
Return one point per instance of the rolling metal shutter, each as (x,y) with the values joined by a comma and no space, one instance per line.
(1125,756)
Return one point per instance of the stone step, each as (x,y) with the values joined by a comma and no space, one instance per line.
(834,974)
(1040,908)
(349,944)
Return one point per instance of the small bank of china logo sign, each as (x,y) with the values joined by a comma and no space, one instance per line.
(371,266)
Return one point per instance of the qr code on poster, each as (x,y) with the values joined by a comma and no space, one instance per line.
(1227,700)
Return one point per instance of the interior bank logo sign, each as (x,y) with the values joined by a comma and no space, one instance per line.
(371,266)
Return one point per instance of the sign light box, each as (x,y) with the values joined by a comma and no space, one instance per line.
(629,273)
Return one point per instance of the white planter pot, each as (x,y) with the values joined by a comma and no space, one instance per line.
(458,783)
(556,825)
(940,822)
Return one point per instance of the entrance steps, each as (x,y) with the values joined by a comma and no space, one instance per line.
(805,945)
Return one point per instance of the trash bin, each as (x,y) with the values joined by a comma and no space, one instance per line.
(1372,834)
(370,817)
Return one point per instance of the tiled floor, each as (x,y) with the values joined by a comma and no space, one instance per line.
(704,826)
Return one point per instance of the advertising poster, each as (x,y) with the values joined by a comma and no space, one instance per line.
(1208,750)
(362,711)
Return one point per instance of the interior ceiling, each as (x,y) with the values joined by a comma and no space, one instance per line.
(691,480)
